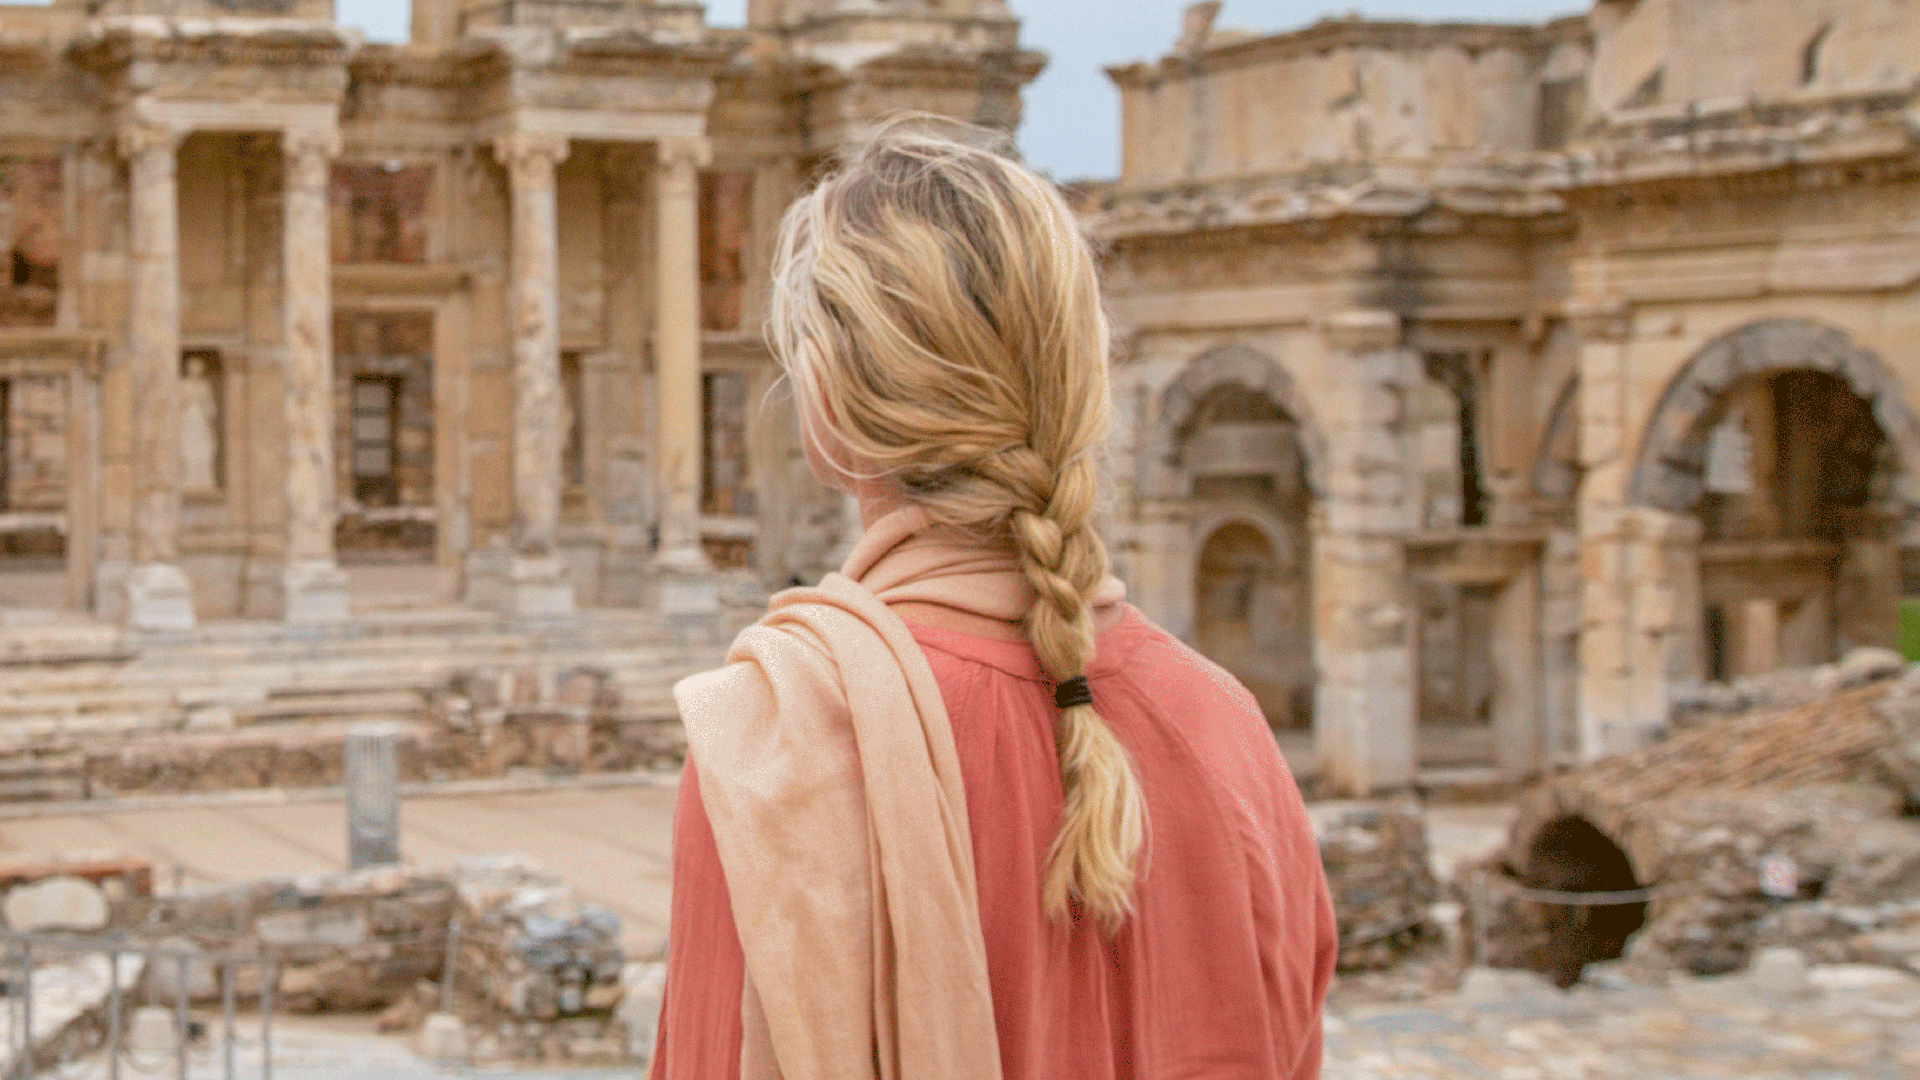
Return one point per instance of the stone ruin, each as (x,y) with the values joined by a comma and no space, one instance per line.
(1778,825)
(1375,856)
(535,975)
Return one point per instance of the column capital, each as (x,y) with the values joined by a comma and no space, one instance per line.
(530,155)
(683,153)
(321,142)
(1362,331)
(136,139)
(1605,320)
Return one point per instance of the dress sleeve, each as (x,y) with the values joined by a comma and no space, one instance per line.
(699,1032)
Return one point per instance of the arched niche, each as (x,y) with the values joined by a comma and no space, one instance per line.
(1253,612)
(1670,470)
(1163,475)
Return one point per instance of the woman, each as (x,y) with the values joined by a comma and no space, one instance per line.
(961,811)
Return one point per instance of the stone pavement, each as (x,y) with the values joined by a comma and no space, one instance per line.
(610,843)
(1853,1023)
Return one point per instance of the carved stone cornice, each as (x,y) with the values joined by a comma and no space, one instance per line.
(131,140)
(678,154)
(531,156)
(1600,320)
(111,43)
(1362,331)
(49,350)
(424,280)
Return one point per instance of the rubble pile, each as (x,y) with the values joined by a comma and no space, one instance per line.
(1382,883)
(537,975)
(528,946)
(343,941)
(1755,829)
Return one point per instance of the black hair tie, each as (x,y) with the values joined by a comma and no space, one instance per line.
(1071,692)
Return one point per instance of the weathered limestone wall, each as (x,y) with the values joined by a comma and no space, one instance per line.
(1657,53)
(1341,91)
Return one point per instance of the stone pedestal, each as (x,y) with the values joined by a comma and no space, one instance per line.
(315,589)
(538,587)
(694,591)
(1364,723)
(158,597)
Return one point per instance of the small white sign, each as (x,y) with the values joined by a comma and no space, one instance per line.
(1779,877)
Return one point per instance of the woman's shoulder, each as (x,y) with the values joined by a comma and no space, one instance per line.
(1142,652)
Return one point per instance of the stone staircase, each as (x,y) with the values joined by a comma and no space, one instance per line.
(70,688)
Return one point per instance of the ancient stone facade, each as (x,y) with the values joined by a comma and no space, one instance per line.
(294,323)
(1484,385)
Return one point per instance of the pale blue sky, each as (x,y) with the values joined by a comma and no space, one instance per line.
(1072,113)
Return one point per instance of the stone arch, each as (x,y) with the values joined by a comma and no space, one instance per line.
(1233,364)
(1668,473)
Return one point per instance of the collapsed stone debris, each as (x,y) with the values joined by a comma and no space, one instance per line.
(1782,826)
(535,975)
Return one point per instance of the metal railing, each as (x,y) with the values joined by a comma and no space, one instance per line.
(25,953)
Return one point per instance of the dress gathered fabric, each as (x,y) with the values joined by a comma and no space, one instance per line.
(826,924)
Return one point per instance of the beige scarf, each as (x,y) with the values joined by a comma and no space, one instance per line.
(864,960)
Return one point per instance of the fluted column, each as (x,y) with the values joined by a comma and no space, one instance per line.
(315,588)
(537,580)
(677,354)
(158,595)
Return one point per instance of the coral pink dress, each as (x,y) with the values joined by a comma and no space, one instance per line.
(1222,969)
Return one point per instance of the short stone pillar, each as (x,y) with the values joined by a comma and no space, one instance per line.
(372,781)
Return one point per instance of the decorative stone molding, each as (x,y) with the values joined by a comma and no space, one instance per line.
(1364,331)
(1609,321)
(1668,474)
(311,147)
(134,140)
(677,154)
(1225,365)
(531,156)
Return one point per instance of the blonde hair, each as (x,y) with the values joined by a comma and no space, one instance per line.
(937,311)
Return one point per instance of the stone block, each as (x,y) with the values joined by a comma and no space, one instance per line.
(443,1038)
(323,926)
(1781,971)
(314,592)
(55,903)
(151,1034)
(158,597)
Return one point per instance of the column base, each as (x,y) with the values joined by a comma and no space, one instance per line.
(158,597)
(537,588)
(314,592)
(683,582)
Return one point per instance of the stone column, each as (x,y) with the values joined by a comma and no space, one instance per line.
(537,579)
(1364,724)
(676,337)
(1519,722)
(1640,610)
(314,588)
(158,595)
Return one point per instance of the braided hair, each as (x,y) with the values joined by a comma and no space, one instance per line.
(938,312)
